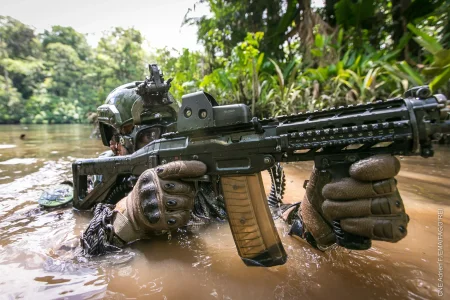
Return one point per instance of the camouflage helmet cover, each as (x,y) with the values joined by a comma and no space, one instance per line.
(116,111)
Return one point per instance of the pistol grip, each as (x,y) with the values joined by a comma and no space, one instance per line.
(251,222)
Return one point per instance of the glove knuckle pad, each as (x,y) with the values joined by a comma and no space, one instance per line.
(390,229)
(148,197)
(383,229)
(150,208)
(178,219)
(176,187)
(177,202)
(385,186)
(146,180)
(391,204)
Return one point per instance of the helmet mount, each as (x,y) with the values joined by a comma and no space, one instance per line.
(154,93)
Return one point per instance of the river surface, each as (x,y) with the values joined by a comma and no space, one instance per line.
(37,260)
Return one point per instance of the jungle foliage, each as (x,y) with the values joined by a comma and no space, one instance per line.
(279,57)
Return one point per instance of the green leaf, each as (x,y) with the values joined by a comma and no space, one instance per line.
(413,75)
(355,76)
(318,41)
(353,13)
(279,74)
(340,37)
(348,84)
(428,42)
(294,73)
(288,68)
(345,59)
(434,71)
(224,80)
(332,70)
(391,55)
(403,41)
(440,80)
(442,58)
(356,63)
(368,79)
(316,52)
(259,62)
(339,67)
(285,21)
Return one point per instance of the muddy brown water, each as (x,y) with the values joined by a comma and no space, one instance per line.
(203,263)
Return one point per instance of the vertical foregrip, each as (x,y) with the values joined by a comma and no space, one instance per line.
(251,222)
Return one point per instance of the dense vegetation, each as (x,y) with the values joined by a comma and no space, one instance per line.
(277,56)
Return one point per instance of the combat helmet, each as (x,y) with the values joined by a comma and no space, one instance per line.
(139,111)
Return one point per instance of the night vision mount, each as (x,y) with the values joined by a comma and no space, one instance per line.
(154,89)
(154,92)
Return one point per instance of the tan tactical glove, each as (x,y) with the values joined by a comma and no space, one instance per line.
(367,203)
(158,203)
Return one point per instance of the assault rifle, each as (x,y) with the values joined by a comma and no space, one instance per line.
(236,148)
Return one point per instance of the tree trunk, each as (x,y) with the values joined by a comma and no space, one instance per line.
(445,41)
(5,73)
(330,16)
(273,38)
(399,29)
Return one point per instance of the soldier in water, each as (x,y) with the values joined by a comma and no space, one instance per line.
(159,201)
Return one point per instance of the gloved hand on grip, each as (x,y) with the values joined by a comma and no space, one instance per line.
(159,202)
(367,203)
